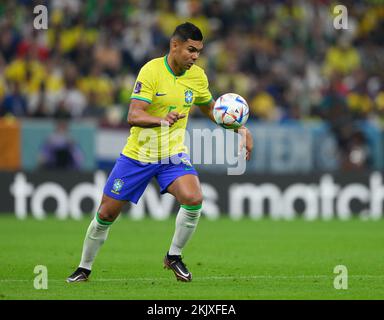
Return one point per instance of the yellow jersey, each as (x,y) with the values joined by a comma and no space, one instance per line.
(165,92)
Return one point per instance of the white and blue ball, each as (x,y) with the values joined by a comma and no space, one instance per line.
(231,111)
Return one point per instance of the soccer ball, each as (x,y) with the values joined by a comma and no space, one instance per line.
(231,111)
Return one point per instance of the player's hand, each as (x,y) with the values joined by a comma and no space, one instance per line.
(247,141)
(172,117)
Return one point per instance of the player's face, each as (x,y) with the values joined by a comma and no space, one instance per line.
(187,53)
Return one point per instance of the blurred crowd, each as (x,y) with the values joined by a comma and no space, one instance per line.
(285,57)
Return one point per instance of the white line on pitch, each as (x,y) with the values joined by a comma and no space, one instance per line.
(244,277)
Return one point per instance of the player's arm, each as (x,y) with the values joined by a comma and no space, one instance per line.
(139,117)
(246,140)
(246,136)
(208,109)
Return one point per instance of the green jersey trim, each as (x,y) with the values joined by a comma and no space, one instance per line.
(169,68)
(141,98)
(203,103)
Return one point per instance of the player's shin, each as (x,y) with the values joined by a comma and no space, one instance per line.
(186,222)
(96,235)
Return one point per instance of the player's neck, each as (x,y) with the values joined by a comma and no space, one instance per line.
(177,71)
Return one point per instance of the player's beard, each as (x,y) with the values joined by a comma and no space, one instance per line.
(189,65)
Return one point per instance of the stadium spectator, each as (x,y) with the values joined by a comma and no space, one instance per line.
(334,109)
(342,58)
(62,111)
(40,109)
(117,37)
(15,102)
(59,151)
(280,55)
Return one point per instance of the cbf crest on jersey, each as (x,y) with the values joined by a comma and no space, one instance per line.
(188,96)
(117,186)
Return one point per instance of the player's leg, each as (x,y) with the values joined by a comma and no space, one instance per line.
(98,230)
(126,182)
(96,235)
(187,191)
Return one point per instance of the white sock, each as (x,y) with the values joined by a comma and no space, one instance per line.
(96,235)
(186,222)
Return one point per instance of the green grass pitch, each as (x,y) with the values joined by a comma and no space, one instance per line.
(244,259)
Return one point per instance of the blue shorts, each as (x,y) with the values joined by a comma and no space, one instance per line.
(129,178)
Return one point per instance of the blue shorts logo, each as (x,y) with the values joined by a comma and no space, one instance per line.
(188,96)
(117,186)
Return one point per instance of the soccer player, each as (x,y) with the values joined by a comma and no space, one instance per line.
(164,92)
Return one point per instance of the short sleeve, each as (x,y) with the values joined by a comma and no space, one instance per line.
(204,96)
(144,88)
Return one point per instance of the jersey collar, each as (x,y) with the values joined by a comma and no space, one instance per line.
(169,68)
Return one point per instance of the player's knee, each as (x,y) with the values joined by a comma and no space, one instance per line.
(107,213)
(192,199)
(109,209)
(107,216)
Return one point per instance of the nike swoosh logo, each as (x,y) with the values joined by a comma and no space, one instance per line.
(184,274)
(76,278)
(160,94)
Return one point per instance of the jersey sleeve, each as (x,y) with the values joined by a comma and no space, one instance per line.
(204,96)
(144,88)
